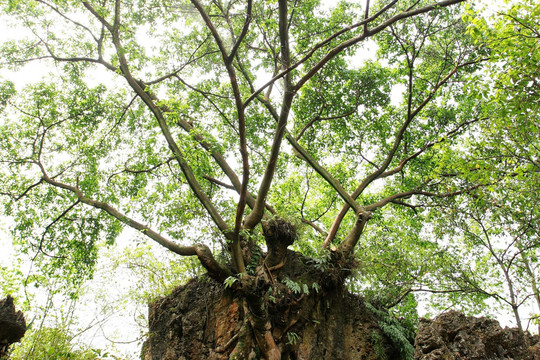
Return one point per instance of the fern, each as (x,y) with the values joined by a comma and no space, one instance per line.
(292,285)
(229,281)
(292,338)
(398,338)
(377,341)
(397,333)
(254,261)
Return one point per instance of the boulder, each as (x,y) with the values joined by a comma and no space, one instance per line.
(453,336)
(12,325)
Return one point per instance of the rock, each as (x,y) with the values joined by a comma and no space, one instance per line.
(453,335)
(12,325)
(201,320)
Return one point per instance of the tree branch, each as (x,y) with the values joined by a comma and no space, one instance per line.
(256,215)
(227,60)
(314,49)
(304,155)
(380,172)
(407,194)
(139,89)
(355,40)
(215,269)
(234,49)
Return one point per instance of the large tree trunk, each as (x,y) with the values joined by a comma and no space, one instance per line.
(286,317)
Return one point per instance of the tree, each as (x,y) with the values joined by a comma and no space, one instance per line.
(500,222)
(55,344)
(230,131)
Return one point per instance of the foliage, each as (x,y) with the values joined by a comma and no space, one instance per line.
(498,224)
(134,178)
(230,281)
(292,338)
(54,344)
(400,333)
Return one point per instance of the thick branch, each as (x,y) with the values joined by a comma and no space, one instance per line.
(158,114)
(347,246)
(242,34)
(256,215)
(98,16)
(380,172)
(326,175)
(218,157)
(215,269)
(186,169)
(227,59)
(304,155)
(314,49)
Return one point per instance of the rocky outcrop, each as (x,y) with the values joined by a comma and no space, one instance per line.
(202,320)
(12,325)
(454,336)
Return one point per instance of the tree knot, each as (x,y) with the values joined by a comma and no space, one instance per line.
(279,234)
(279,231)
